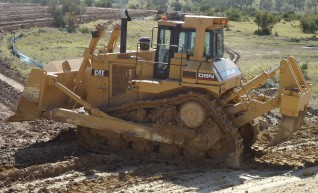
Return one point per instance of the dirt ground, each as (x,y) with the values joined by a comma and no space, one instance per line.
(15,16)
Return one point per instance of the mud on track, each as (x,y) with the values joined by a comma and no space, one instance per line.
(44,156)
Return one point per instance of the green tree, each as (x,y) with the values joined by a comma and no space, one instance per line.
(65,15)
(56,12)
(142,3)
(266,5)
(88,2)
(244,3)
(279,4)
(176,6)
(160,5)
(312,4)
(187,7)
(309,23)
(70,10)
(70,6)
(299,4)
(104,3)
(265,22)
(233,14)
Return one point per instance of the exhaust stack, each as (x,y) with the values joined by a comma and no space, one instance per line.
(123,36)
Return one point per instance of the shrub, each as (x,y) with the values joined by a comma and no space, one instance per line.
(186,7)
(104,3)
(65,15)
(174,16)
(233,14)
(304,68)
(290,15)
(209,12)
(58,20)
(309,24)
(250,11)
(176,6)
(265,22)
(133,6)
(245,19)
(70,6)
(56,13)
(70,20)
(84,30)
(88,3)
(195,9)
(204,8)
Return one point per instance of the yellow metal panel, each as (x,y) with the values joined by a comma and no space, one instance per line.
(297,71)
(176,64)
(28,106)
(107,123)
(175,72)
(152,86)
(56,66)
(288,78)
(292,104)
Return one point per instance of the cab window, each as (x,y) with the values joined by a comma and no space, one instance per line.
(163,46)
(186,41)
(218,42)
(161,69)
(207,45)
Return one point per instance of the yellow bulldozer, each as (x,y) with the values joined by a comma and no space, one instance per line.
(176,97)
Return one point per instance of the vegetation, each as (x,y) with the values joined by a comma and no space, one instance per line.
(64,12)
(304,69)
(233,14)
(65,15)
(309,23)
(103,3)
(265,22)
(259,53)
(56,44)
(5,55)
(184,5)
(266,5)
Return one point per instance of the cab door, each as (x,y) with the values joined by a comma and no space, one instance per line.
(164,52)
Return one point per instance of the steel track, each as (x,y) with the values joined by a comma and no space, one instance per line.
(233,140)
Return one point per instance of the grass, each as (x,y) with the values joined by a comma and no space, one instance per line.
(258,53)
(52,44)
(5,54)
(49,44)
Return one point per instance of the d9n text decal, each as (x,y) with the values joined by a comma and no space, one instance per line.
(206,76)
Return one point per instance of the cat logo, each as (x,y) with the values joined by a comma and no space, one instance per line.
(97,72)
(205,76)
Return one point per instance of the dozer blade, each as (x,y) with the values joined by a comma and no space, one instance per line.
(288,126)
(28,106)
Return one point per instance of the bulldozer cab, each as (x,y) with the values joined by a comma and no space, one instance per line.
(188,41)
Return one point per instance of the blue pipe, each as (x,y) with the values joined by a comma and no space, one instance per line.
(21,56)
